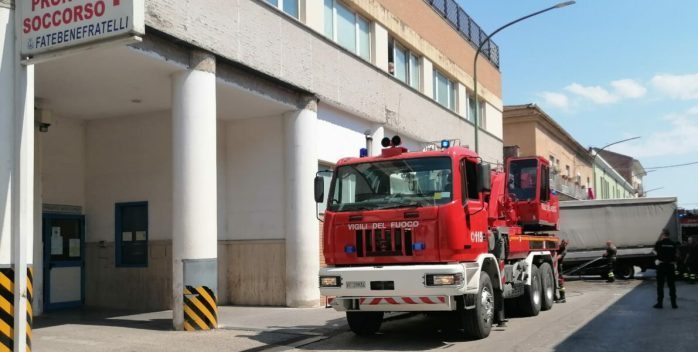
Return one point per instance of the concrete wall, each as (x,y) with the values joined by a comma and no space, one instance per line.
(128,159)
(523,134)
(252,272)
(63,159)
(147,288)
(414,21)
(547,144)
(254,179)
(269,41)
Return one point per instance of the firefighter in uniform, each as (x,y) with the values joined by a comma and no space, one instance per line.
(666,251)
(610,256)
(692,259)
(561,252)
(681,268)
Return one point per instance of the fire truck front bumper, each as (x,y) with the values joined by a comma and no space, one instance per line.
(399,288)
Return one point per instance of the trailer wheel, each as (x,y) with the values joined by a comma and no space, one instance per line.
(625,271)
(548,286)
(530,302)
(477,322)
(365,323)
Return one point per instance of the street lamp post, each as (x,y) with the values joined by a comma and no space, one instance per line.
(595,153)
(654,189)
(479,49)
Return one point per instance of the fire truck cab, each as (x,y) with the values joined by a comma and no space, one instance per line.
(437,230)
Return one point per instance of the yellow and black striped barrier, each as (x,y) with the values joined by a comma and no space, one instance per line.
(200,309)
(7,278)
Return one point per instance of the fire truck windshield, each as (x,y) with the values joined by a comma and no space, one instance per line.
(523,179)
(392,184)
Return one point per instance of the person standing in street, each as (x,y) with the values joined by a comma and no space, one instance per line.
(681,270)
(610,256)
(560,257)
(692,259)
(666,251)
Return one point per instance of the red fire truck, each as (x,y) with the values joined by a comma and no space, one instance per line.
(438,230)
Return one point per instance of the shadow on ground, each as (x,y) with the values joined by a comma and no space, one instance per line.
(418,331)
(631,324)
(101,317)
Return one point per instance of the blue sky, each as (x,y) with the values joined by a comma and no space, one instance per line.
(608,70)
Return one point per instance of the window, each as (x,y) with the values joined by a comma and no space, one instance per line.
(347,28)
(471,110)
(328,180)
(288,6)
(469,186)
(131,220)
(523,179)
(405,64)
(444,91)
(483,114)
(393,184)
(544,183)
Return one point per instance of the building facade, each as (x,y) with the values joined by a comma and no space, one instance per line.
(537,134)
(609,183)
(190,155)
(630,168)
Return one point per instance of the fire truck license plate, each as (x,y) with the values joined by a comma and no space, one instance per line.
(356,284)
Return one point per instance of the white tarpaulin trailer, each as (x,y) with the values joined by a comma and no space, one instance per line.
(633,225)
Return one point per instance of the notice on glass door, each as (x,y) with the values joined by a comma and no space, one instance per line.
(74,247)
(56,241)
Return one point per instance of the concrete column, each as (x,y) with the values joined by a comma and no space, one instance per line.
(312,14)
(379,46)
(7,126)
(194,170)
(302,240)
(427,77)
(38,250)
(16,168)
(378,135)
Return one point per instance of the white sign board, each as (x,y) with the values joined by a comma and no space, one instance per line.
(51,25)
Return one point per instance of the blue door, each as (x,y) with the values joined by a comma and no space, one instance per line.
(64,260)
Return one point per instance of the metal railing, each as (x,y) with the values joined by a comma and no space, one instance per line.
(568,187)
(461,22)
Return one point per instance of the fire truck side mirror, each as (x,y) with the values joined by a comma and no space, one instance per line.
(319,189)
(484,181)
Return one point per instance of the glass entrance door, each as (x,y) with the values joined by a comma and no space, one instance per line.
(64,259)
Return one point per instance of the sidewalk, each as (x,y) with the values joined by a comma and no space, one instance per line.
(631,319)
(240,329)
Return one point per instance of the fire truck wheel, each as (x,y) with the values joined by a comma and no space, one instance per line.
(530,302)
(365,323)
(548,284)
(477,322)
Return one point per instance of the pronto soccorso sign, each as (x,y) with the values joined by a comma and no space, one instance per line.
(50,25)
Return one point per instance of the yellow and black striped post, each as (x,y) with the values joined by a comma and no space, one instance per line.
(200,309)
(30,301)
(7,321)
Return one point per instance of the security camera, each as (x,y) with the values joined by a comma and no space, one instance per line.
(43,119)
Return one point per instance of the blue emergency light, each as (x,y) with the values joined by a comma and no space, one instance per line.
(349,249)
(363,152)
(445,144)
(419,246)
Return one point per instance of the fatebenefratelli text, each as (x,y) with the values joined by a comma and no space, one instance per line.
(49,25)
